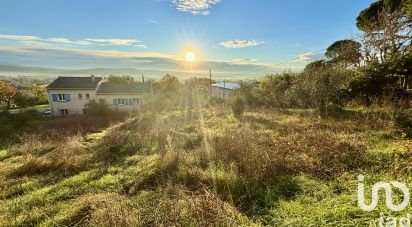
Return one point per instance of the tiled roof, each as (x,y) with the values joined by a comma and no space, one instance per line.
(227,85)
(122,88)
(75,83)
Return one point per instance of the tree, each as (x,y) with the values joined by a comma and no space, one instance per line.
(347,52)
(273,89)
(7,93)
(169,84)
(249,92)
(24,100)
(325,83)
(407,8)
(40,94)
(387,26)
(121,79)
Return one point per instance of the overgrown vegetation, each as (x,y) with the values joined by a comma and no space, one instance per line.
(376,69)
(199,165)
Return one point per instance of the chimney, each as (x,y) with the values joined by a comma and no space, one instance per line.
(92,76)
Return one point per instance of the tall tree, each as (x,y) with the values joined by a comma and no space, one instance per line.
(388,28)
(325,83)
(347,52)
(387,25)
(40,93)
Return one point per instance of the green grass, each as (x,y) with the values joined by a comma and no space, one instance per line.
(202,167)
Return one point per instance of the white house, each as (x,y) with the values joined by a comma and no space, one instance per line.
(122,96)
(223,90)
(68,95)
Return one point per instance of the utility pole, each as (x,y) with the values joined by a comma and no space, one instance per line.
(210,82)
(224,89)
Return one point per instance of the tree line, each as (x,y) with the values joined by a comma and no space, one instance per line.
(377,67)
(22,97)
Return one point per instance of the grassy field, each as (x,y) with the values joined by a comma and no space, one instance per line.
(201,166)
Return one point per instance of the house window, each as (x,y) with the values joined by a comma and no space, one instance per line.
(87,96)
(80,96)
(122,102)
(61,98)
(125,102)
(64,112)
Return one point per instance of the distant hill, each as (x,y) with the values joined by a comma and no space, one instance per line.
(4,67)
(14,70)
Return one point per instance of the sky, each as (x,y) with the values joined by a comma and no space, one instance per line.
(245,37)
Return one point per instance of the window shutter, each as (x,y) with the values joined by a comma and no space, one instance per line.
(54,98)
(114,102)
(131,102)
(67,97)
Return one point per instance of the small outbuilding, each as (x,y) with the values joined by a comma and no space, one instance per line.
(223,90)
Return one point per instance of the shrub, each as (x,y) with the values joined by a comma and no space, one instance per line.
(238,106)
(23,100)
(403,119)
(97,108)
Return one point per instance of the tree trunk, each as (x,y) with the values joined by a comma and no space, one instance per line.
(406,82)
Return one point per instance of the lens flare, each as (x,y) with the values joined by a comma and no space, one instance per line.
(190,56)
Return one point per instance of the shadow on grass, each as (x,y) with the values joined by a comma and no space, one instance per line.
(260,121)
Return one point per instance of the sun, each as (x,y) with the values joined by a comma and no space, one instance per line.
(190,56)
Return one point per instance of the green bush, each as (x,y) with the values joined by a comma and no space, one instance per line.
(238,106)
(403,119)
(97,108)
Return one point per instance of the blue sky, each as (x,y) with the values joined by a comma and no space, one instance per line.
(237,36)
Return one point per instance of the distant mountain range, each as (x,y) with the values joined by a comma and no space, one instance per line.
(14,70)
(10,68)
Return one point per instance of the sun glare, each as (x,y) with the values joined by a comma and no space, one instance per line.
(190,56)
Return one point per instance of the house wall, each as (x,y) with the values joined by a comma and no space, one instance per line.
(109,99)
(221,93)
(75,106)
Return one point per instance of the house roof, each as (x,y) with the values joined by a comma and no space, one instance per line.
(227,85)
(75,83)
(122,88)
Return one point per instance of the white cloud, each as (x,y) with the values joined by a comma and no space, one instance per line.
(195,7)
(20,37)
(115,42)
(309,57)
(35,40)
(244,61)
(240,43)
(153,21)
(67,41)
